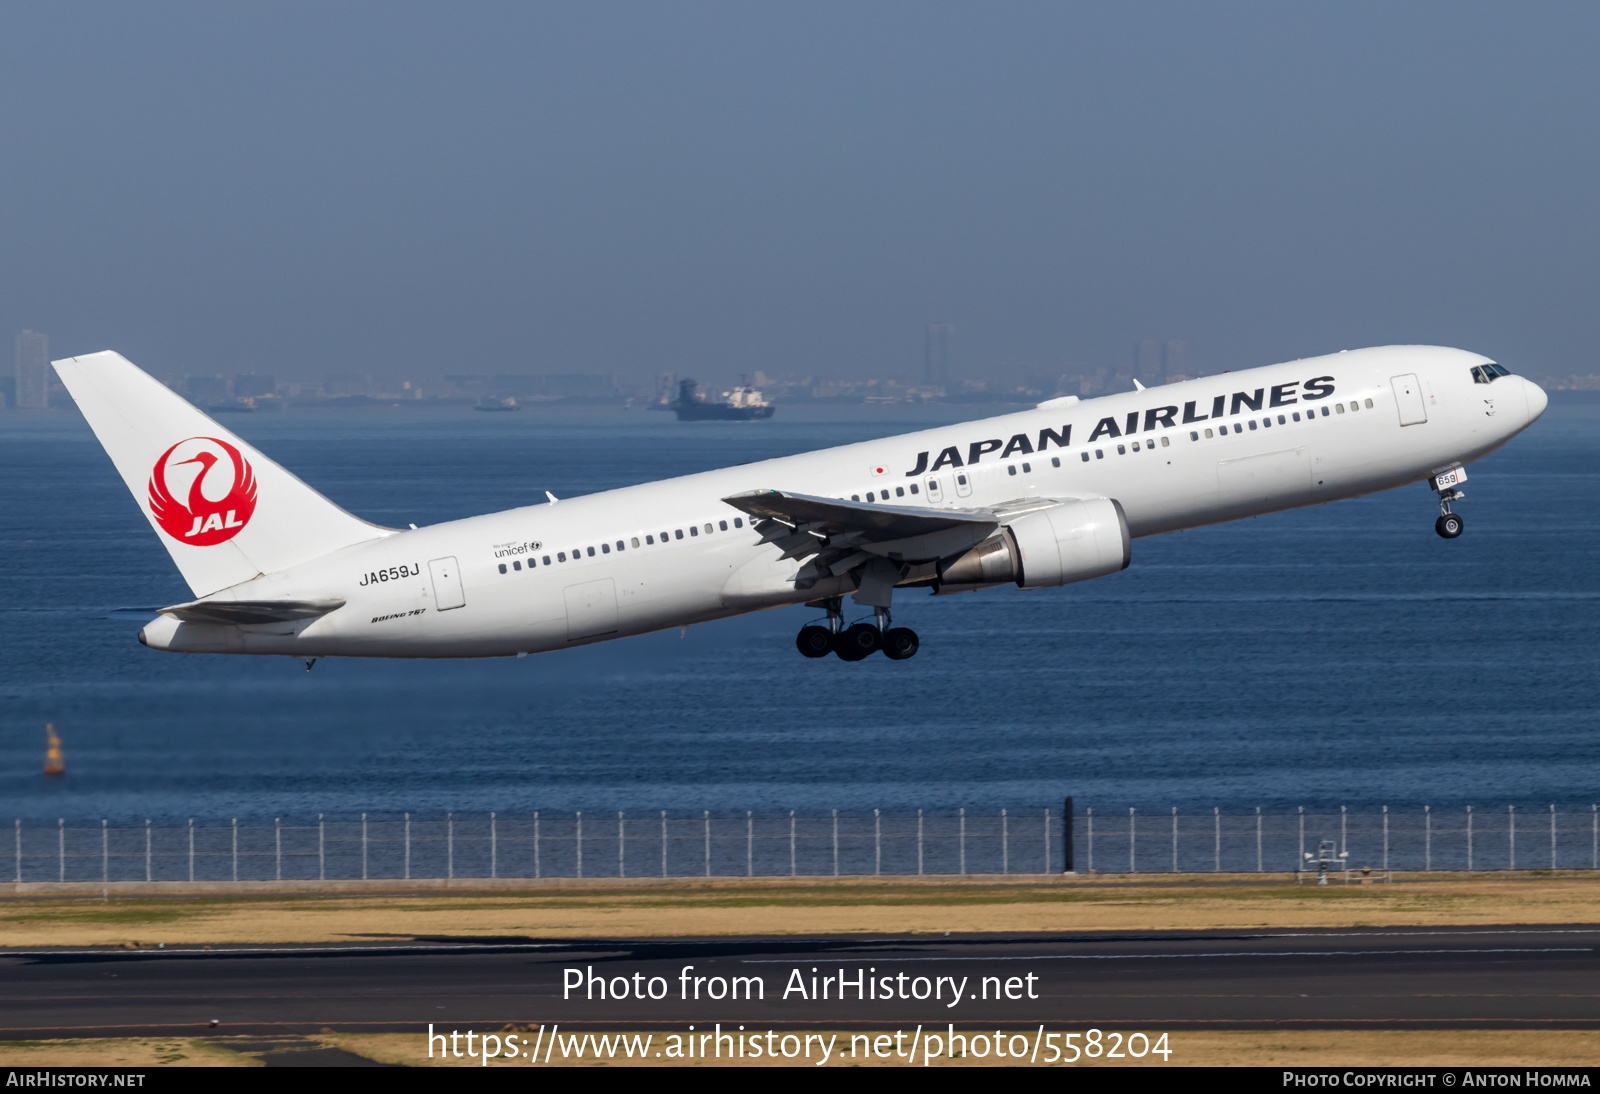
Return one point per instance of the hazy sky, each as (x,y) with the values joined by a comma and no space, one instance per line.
(419,189)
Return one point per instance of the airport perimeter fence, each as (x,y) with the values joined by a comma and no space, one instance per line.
(659,844)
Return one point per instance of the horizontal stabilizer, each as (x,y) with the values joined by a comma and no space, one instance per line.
(244,612)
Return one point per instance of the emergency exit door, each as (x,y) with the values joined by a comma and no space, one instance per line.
(1408,397)
(447,592)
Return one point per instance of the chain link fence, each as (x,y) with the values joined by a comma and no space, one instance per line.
(1132,841)
(837,843)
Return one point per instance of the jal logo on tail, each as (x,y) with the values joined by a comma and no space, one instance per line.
(217,486)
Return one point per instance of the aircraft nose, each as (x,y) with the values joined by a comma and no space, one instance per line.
(1537,399)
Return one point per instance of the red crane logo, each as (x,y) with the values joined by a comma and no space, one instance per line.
(221,493)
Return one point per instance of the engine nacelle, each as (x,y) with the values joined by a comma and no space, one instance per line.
(1073,541)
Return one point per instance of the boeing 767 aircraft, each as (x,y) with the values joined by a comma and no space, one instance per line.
(1042,497)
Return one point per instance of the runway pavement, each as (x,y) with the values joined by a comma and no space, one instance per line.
(1485,977)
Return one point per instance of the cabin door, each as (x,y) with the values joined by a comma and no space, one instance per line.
(1408,397)
(591,609)
(447,592)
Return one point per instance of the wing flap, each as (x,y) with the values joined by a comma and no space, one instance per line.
(832,515)
(839,536)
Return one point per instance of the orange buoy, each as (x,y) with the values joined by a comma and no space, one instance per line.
(52,755)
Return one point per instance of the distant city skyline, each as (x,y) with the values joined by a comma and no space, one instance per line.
(414,191)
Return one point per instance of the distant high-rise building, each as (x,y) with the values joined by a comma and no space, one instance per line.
(1147,367)
(33,370)
(936,353)
(1176,358)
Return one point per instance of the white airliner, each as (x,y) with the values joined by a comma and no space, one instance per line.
(1042,497)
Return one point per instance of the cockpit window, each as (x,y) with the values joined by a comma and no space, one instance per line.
(1488,374)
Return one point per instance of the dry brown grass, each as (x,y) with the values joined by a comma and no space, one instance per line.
(1297,1048)
(128,1052)
(805,906)
(1276,1048)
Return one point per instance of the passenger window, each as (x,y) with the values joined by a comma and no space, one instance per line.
(1165,443)
(1252,423)
(738,522)
(1099,453)
(693,531)
(1354,407)
(900,491)
(1136,446)
(1369,404)
(913,488)
(855,497)
(722,524)
(679,533)
(547,560)
(1122,450)
(708,529)
(530,563)
(1196,436)
(605,549)
(1282,420)
(635,542)
(1237,428)
(650,540)
(1337,406)
(591,552)
(1266,423)
(516,564)
(620,544)
(1027,469)
(869,496)
(1296,415)
(561,556)
(1324,412)
(1055,461)
(1011,468)
(502,567)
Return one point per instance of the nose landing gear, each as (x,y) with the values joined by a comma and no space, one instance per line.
(1449,525)
(857,641)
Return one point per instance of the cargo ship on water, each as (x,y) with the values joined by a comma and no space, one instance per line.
(743,404)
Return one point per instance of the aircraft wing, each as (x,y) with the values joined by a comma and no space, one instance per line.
(838,536)
(244,612)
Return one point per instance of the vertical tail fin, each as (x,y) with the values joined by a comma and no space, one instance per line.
(224,511)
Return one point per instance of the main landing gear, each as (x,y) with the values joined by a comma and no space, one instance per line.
(857,641)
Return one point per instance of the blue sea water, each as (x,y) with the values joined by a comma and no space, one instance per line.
(1342,654)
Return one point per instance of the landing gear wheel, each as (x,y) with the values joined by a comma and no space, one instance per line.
(857,641)
(1449,526)
(900,643)
(814,641)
